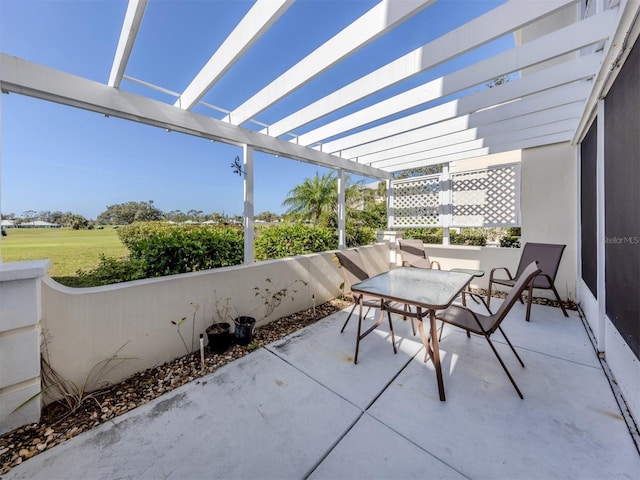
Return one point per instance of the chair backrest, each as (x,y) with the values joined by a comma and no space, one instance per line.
(548,256)
(352,267)
(413,254)
(528,274)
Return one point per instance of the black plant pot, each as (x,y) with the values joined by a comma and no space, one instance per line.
(219,339)
(244,329)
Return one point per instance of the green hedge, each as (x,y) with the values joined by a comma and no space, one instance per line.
(294,239)
(181,250)
(427,235)
(467,238)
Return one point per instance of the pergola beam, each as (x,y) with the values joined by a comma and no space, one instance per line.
(565,73)
(553,45)
(253,25)
(483,151)
(500,21)
(20,76)
(460,144)
(376,22)
(518,114)
(130,27)
(564,116)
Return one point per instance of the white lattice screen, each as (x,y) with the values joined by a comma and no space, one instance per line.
(416,202)
(478,198)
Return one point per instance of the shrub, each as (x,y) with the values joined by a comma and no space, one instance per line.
(295,239)
(514,231)
(467,238)
(131,234)
(182,250)
(359,236)
(110,270)
(427,235)
(510,242)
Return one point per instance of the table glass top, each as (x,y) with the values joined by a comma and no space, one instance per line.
(418,286)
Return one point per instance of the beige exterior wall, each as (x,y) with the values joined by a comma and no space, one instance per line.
(549,206)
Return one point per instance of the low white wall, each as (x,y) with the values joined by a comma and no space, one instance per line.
(86,326)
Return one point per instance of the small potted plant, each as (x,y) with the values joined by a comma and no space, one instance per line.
(218,332)
(271,300)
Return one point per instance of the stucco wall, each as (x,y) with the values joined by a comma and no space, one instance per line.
(86,326)
(549,206)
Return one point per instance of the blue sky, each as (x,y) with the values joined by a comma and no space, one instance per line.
(60,158)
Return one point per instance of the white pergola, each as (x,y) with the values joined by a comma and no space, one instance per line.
(555,81)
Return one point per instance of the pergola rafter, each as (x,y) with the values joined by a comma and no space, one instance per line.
(546,104)
(500,21)
(255,23)
(370,26)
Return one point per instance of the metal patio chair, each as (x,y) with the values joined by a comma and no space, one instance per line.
(486,325)
(548,256)
(414,255)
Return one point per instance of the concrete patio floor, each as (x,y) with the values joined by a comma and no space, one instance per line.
(300,408)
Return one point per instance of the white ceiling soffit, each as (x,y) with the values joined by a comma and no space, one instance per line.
(498,22)
(130,27)
(376,22)
(258,20)
(553,45)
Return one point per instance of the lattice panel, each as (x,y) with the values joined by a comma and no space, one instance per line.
(417,202)
(481,198)
(485,198)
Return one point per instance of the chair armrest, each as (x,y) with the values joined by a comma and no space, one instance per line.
(500,268)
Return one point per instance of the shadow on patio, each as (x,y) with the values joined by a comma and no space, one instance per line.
(300,408)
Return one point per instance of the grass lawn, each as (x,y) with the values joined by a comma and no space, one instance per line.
(68,250)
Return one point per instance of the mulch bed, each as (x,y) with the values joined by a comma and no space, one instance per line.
(58,423)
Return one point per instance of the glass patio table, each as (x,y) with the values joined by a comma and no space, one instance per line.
(427,290)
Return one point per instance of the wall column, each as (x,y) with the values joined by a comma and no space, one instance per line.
(20,313)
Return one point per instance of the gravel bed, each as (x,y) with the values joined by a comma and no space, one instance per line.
(58,424)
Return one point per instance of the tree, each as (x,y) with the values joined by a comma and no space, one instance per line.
(317,198)
(127,213)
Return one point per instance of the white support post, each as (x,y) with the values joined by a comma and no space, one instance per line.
(600,228)
(390,207)
(341,210)
(0,173)
(247,165)
(446,203)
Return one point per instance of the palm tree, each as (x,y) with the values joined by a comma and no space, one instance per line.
(316,198)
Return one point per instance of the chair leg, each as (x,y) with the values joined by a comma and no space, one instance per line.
(564,310)
(349,317)
(504,367)
(351,313)
(529,300)
(512,349)
(489,295)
